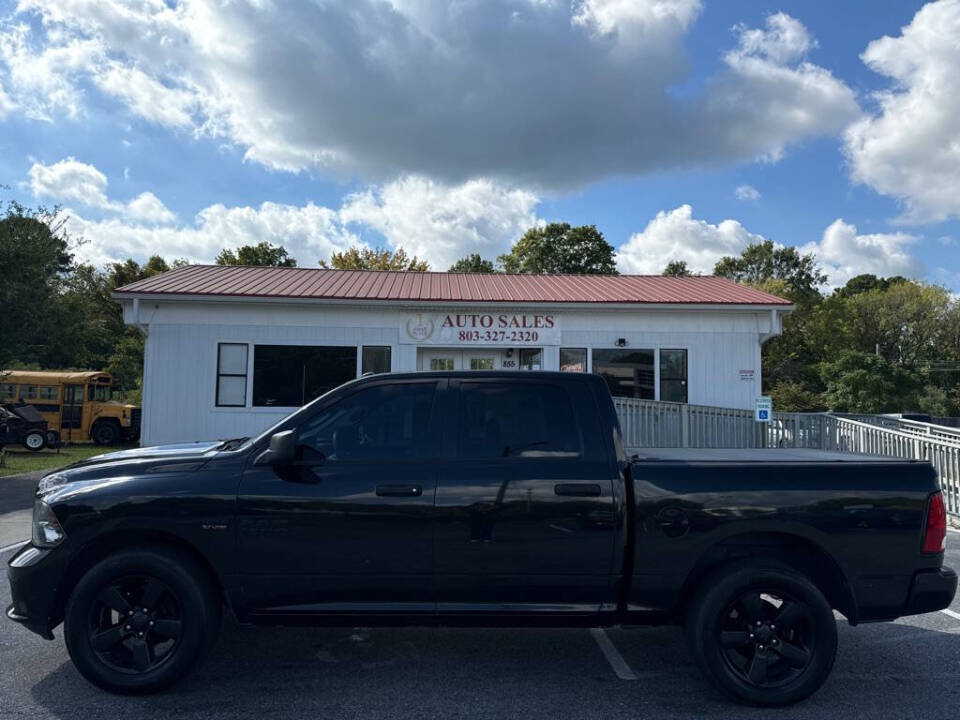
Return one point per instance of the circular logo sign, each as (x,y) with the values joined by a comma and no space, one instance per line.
(419,329)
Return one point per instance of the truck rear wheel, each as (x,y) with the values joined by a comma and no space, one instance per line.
(140,620)
(763,634)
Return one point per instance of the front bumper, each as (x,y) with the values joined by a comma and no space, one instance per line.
(35,575)
(931,590)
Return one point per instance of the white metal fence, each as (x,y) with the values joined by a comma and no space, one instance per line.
(648,423)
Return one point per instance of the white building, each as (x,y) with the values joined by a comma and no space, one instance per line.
(231,350)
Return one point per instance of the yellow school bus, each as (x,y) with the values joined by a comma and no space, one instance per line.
(76,404)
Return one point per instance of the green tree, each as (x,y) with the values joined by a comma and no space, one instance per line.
(677,268)
(559,248)
(762,262)
(791,396)
(473,263)
(864,383)
(35,258)
(375,259)
(262,253)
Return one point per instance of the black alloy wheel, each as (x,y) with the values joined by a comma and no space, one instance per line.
(105,433)
(135,624)
(140,619)
(766,638)
(762,632)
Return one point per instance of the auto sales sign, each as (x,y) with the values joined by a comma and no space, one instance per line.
(509,329)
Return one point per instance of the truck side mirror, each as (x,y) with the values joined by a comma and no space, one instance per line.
(282,450)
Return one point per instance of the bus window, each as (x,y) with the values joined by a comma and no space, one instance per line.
(99,393)
(28,392)
(48,392)
(8,391)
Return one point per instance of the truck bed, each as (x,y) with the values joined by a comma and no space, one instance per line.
(758,455)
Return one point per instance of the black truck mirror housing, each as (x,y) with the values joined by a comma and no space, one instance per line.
(282,449)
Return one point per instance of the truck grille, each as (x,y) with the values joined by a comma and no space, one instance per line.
(135,417)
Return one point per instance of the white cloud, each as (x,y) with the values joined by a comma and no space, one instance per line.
(747,192)
(910,149)
(444,223)
(6,104)
(844,254)
(148,208)
(70,180)
(440,223)
(677,235)
(448,90)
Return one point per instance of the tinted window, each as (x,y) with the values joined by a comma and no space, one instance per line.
(573,359)
(293,375)
(518,419)
(375,359)
(628,373)
(389,422)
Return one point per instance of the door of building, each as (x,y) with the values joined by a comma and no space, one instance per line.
(472,359)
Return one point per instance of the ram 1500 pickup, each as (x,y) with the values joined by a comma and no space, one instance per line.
(478,499)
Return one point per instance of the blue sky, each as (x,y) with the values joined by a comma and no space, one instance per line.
(181,128)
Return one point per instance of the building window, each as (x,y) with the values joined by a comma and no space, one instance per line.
(531,359)
(48,392)
(293,375)
(8,391)
(481,363)
(628,373)
(231,374)
(375,359)
(28,392)
(573,359)
(673,375)
(516,420)
(441,363)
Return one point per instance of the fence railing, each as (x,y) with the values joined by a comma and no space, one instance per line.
(649,423)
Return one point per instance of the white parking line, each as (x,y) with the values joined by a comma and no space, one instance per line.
(951,613)
(14,546)
(619,665)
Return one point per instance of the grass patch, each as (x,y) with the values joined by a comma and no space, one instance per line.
(18,460)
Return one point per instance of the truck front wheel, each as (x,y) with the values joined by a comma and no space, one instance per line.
(763,634)
(140,620)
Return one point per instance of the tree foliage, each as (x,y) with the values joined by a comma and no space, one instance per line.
(473,263)
(375,259)
(677,268)
(762,262)
(560,248)
(263,254)
(863,383)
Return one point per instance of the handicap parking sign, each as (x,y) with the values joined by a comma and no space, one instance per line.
(763,411)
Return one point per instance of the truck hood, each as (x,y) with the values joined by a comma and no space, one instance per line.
(185,451)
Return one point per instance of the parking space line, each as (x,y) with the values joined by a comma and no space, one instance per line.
(14,546)
(617,663)
(951,613)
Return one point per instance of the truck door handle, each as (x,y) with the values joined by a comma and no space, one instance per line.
(577,489)
(399,491)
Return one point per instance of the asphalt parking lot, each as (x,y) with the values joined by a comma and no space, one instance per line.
(906,669)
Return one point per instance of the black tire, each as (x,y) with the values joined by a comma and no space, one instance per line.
(175,620)
(105,433)
(35,440)
(785,658)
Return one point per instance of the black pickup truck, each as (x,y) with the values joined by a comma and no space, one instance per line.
(478,499)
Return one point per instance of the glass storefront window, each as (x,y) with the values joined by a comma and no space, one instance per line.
(293,375)
(673,375)
(531,359)
(376,359)
(573,359)
(481,363)
(441,363)
(628,373)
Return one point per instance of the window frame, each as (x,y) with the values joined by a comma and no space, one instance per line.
(363,350)
(586,358)
(244,375)
(685,378)
(654,367)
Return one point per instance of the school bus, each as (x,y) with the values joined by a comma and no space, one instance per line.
(76,404)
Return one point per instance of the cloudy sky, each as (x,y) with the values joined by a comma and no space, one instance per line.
(684,129)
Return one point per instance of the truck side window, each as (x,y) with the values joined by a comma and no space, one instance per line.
(386,422)
(517,420)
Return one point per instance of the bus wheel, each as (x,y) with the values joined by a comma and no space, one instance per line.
(35,440)
(105,433)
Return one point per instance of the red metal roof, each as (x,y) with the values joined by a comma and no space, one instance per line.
(321,284)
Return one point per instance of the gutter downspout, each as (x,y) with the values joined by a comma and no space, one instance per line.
(776,327)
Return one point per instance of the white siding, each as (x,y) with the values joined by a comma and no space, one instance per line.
(180,363)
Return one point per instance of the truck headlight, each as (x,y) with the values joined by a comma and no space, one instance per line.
(51,481)
(46,528)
